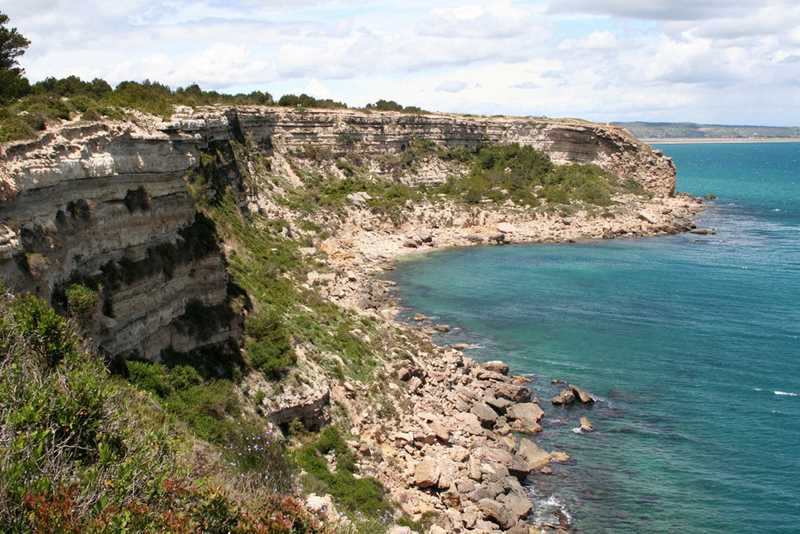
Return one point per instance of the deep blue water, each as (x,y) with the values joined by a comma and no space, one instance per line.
(692,342)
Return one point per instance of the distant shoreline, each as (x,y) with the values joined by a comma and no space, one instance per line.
(708,140)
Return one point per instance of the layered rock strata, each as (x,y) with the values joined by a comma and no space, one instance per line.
(106,204)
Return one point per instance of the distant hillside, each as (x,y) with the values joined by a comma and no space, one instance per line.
(683,130)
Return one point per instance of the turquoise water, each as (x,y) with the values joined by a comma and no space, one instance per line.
(692,343)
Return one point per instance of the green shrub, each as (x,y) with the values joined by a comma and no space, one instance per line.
(359,495)
(152,377)
(268,344)
(73,444)
(46,332)
(211,410)
(81,301)
(587,183)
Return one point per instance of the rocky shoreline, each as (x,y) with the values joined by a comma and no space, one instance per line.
(463,440)
(439,430)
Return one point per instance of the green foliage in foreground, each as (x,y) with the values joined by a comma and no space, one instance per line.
(81,451)
(363,496)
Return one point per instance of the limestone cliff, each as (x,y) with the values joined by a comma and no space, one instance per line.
(107,203)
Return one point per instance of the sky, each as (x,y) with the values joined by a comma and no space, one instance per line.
(719,61)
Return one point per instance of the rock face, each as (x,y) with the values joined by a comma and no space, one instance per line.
(106,204)
(610,147)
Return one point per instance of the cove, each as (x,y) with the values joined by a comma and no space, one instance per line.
(691,342)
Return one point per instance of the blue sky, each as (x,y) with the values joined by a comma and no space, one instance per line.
(698,60)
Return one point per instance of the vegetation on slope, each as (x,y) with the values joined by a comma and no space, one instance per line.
(491,174)
(81,451)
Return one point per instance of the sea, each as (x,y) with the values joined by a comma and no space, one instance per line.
(691,343)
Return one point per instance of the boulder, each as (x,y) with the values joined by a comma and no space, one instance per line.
(486,374)
(468,422)
(319,505)
(414,384)
(517,503)
(559,457)
(526,417)
(512,392)
(564,398)
(427,473)
(534,456)
(497,512)
(442,328)
(440,431)
(497,367)
(359,197)
(519,467)
(498,239)
(506,228)
(486,490)
(586,425)
(648,217)
(499,405)
(584,396)
(448,471)
(485,414)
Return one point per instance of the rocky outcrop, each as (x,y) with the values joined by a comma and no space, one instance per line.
(565,140)
(106,204)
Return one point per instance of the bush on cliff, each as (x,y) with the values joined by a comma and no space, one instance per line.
(527,176)
(268,345)
(306,101)
(81,451)
(81,301)
(360,495)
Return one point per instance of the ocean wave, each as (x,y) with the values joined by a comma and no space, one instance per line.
(786,394)
(548,510)
(757,389)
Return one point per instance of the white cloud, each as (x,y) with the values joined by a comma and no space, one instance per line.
(701,60)
(655,9)
(451,86)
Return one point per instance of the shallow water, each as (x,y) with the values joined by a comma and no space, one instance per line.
(692,342)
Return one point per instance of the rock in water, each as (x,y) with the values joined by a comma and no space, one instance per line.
(564,398)
(534,456)
(586,425)
(584,396)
